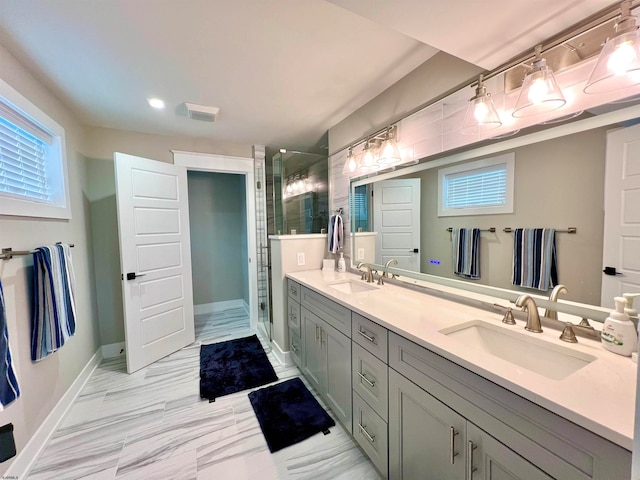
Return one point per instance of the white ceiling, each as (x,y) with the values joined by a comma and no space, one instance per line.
(282,71)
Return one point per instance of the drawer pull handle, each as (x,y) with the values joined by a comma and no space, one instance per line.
(317,330)
(452,444)
(371,339)
(294,348)
(292,316)
(369,382)
(470,468)
(293,290)
(371,438)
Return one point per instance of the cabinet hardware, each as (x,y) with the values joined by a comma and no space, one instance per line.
(470,468)
(323,336)
(294,348)
(452,444)
(371,339)
(293,290)
(317,330)
(371,438)
(369,382)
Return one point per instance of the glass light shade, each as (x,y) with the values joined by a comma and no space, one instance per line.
(540,92)
(481,114)
(368,161)
(350,165)
(618,66)
(389,154)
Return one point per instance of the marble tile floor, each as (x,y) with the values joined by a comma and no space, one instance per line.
(153,425)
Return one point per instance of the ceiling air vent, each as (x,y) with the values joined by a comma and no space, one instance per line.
(202,112)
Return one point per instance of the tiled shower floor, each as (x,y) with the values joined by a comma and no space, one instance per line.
(153,425)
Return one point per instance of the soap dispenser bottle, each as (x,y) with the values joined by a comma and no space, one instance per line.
(342,267)
(619,335)
(628,308)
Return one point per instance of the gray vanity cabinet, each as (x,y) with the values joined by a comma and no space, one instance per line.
(326,363)
(294,321)
(429,440)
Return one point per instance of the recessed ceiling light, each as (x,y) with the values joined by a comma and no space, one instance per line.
(156,103)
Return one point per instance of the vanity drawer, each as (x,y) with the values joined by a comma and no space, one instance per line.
(293,317)
(372,433)
(370,335)
(293,289)
(334,314)
(295,344)
(370,380)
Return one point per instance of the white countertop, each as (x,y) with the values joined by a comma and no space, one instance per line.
(599,396)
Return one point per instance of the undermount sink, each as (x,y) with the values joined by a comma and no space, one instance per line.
(519,348)
(352,286)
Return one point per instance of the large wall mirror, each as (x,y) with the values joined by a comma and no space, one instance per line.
(558,182)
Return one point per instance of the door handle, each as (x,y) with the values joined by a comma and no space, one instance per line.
(470,468)
(452,445)
(611,271)
(134,275)
(415,250)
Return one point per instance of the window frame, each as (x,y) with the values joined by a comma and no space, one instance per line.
(507,159)
(60,207)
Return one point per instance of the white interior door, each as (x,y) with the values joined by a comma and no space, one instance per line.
(396,219)
(621,242)
(155,255)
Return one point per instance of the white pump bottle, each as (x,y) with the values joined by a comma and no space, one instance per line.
(619,334)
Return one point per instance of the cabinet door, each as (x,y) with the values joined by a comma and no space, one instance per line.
(312,351)
(491,460)
(337,349)
(426,438)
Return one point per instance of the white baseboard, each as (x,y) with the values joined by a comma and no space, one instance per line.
(113,350)
(215,307)
(22,464)
(283,357)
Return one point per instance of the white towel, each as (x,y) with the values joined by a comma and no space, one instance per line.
(336,233)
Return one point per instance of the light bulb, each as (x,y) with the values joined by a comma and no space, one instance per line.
(352,163)
(480,111)
(621,58)
(368,160)
(538,91)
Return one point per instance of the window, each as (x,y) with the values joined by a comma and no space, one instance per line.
(482,187)
(32,160)
(360,208)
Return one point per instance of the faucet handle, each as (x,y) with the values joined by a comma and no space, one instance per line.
(568,335)
(508,317)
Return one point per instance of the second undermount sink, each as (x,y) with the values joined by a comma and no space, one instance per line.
(352,286)
(519,348)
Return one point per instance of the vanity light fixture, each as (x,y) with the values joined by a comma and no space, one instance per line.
(368,161)
(481,113)
(351,164)
(389,153)
(618,65)
(540,92)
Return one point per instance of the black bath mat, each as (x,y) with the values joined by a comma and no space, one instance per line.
(233,366)
(288,413)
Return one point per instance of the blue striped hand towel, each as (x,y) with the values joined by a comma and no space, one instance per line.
(466,252)
(534,258)
(54,311)
(9,389)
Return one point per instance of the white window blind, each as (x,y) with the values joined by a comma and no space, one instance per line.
(23,166)
(477,188)
(480,187)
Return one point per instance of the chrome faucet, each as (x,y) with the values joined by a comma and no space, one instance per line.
(367,274)
(384,274)
(553,297)
(533,318)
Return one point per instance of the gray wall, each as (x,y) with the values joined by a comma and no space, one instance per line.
(44,383)
(217,215)
(435,78)
(559,183)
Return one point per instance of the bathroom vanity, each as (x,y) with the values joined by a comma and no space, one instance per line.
(435,388)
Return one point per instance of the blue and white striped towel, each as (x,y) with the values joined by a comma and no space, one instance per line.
(466,252)
(9,389)
(54,311)
(534,258)
(336,233)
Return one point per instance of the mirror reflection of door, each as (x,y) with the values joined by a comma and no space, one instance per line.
(396,207)
(621,241)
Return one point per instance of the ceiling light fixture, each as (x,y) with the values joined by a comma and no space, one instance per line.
(540,92)
(481,113)
(618,65)
(156,103)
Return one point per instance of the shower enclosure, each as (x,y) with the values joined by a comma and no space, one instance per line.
(300,192)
